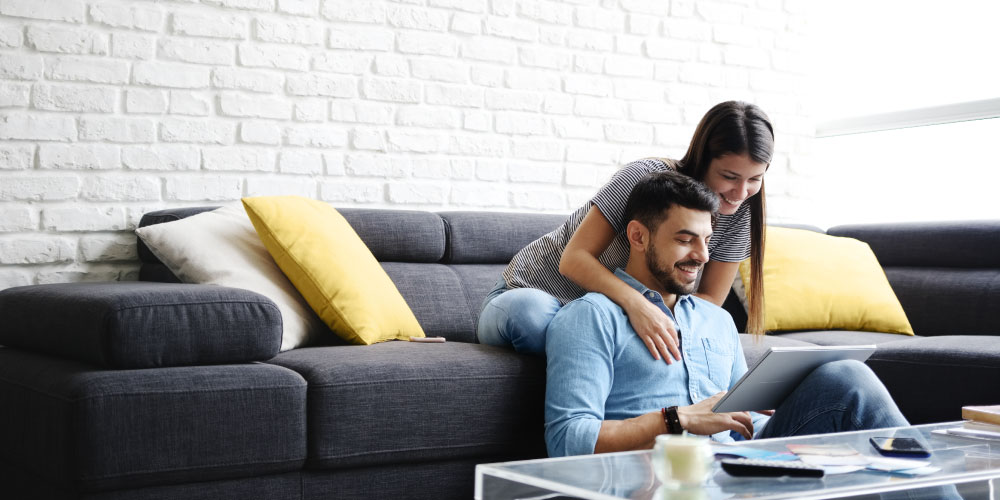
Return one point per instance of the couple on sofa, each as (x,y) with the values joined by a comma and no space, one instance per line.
(658,224)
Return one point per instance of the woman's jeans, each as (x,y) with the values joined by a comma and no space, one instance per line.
(516,317)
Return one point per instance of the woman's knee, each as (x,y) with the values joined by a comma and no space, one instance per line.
(527,308)
(517,317)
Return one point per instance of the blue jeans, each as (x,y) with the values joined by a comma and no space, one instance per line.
(843,396)
(839,396)
(516,318)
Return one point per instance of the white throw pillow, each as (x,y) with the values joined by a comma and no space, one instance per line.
(222,248)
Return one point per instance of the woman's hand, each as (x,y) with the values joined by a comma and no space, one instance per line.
(655,329)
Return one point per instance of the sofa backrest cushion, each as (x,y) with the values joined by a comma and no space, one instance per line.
(493,237)
(442,264)
(969,244)
(399,235)
(945,274)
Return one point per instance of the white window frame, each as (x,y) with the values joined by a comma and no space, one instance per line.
(916,117)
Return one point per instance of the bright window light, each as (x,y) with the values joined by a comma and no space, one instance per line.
(883,71)
(889,55)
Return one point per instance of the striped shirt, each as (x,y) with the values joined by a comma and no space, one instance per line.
(537,265)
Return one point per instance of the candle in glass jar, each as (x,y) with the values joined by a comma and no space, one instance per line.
(686,457)
(682,460)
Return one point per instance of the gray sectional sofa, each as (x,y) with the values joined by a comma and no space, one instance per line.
(156,389)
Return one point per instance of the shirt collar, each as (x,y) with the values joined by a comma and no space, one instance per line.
(646,291)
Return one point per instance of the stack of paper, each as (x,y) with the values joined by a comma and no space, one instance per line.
(975,430)
(840,459)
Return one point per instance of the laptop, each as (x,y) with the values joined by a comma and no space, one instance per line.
(766,385)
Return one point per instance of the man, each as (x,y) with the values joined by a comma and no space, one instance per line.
(605,393)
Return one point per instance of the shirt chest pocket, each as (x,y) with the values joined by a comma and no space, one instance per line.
(719,360)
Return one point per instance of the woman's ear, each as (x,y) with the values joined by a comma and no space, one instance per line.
(637,235)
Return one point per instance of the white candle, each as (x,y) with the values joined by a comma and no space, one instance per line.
(682,460)
(686,458)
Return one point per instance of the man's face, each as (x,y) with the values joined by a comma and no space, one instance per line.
(678,249)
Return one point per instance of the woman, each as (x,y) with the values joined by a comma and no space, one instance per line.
(730,151)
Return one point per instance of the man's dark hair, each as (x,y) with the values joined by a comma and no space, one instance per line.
(656,192)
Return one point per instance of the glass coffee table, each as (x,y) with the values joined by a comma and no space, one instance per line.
(968,468)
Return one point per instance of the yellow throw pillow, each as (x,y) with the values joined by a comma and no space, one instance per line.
(332,268)
(813,281)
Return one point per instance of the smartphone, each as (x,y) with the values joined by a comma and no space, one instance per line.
(899,447)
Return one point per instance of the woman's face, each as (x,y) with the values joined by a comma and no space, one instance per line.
(734,178)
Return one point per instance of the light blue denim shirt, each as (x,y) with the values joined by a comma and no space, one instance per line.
(599,369)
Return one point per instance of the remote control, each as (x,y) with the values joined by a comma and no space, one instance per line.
(770,468)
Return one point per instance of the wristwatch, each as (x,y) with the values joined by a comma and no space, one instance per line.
(672,421)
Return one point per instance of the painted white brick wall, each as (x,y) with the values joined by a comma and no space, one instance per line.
(111,108)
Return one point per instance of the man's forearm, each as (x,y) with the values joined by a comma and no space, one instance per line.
(637,433)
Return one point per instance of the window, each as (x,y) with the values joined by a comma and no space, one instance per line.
(907,103)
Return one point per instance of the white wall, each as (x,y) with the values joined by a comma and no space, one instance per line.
(109,109)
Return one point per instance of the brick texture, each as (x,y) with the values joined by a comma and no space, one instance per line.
(111,108)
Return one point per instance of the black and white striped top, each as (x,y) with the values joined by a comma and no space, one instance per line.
(537,265)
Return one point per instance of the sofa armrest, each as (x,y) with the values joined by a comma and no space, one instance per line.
(141,325)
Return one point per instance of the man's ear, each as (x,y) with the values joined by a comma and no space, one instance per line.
(637,234)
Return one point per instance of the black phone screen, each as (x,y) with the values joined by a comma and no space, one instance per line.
(902,446)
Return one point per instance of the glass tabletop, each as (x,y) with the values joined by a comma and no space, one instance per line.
(630,474)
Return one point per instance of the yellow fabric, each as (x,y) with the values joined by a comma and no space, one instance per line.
(332,268)
(813,281)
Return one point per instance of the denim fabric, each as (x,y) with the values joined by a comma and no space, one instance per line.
(141,325)
(398,235)
(599,369)
(516,318)
(404,402)
(971,244)
(839,396)
(493,237)
(96,430)
(957,370)
(160,216)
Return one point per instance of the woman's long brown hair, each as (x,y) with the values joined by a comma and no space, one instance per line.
(736,127)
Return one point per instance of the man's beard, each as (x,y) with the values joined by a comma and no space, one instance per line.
(666,279)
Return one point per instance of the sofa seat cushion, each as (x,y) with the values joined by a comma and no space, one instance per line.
(88,429)
(407,402)
(141,325)
(840,337)
(931,378)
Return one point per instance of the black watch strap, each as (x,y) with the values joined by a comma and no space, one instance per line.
(672,421)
